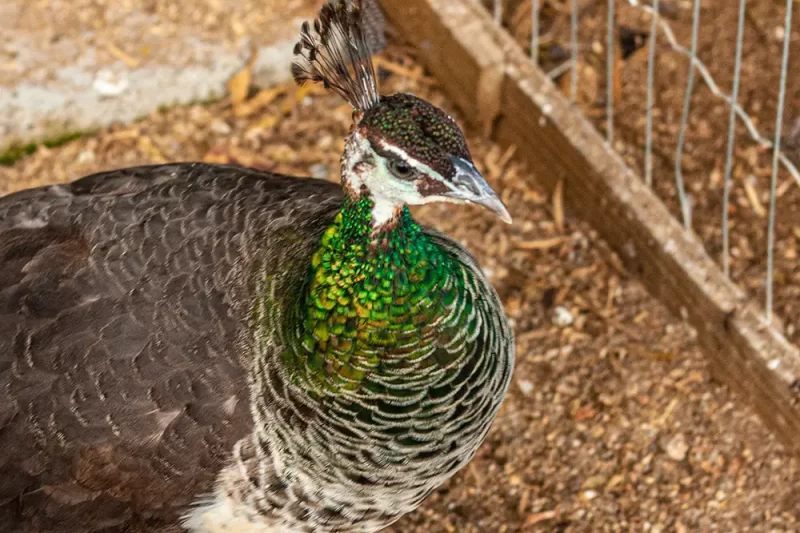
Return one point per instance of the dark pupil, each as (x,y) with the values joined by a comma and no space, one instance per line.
(401,169)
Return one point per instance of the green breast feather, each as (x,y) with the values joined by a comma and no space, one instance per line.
(380,311)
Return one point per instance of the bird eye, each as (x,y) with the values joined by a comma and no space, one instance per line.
(401,169)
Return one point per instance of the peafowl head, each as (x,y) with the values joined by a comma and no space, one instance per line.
(402,150)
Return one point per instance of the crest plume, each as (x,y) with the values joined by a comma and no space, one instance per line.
(334,52)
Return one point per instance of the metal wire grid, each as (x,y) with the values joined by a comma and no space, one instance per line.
(660,27)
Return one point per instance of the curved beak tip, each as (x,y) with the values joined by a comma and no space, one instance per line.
(505,216)
(496,206)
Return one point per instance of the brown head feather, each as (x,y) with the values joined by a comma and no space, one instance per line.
(335,52)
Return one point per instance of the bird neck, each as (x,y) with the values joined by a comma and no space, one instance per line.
(369,292)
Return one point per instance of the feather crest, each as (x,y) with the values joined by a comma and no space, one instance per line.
(334,52)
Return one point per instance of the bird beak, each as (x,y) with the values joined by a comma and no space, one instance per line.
(468,185)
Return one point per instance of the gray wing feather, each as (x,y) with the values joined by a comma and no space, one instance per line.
(124,299)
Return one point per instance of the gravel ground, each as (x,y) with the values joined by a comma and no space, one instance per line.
(613,422)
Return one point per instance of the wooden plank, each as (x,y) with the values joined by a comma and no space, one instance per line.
(488,76)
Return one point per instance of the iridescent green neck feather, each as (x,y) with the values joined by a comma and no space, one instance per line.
(369,315)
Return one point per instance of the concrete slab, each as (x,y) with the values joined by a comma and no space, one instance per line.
(76,65)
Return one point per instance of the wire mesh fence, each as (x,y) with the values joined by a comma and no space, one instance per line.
(699,90)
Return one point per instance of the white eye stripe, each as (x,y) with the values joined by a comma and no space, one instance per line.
(417,165)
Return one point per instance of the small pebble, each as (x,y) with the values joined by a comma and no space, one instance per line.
(562,317)
(525,386)
(220,127)
(107,83)
(677,447)
(86,156)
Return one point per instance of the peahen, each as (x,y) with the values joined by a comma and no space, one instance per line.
(214,349)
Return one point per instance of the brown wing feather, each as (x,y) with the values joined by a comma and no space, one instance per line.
(124,300)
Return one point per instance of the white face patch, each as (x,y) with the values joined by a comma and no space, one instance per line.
(388,192)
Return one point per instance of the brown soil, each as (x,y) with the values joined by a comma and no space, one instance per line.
(612,422)
(706,137)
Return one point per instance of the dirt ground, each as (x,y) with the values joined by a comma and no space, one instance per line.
(613,422)
(703,161)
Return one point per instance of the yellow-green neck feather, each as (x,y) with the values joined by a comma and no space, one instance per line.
(371,302)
